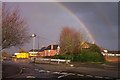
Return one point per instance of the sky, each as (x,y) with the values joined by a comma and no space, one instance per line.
(46,19)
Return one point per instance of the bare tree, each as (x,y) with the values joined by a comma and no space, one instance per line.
(14,28)
(70,40)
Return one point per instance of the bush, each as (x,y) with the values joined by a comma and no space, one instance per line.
(65,56)
(92,57)
(83,57)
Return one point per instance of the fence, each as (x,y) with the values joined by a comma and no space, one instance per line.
(110,54)
(111,57)
(47,60)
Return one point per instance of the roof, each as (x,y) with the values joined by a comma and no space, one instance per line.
(35,50)
(42,49)
(114,52)
(85,45)
(52,47)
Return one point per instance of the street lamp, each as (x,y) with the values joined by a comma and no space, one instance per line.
(33,35)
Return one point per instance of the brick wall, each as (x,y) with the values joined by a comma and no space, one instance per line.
(112,59)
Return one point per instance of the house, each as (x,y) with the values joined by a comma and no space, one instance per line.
(41,52)
(51,50)
(85,45)
(33,53)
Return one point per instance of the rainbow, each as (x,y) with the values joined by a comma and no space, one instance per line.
(92,40)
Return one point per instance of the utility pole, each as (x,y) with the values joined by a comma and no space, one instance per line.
(38,42)
(42,43)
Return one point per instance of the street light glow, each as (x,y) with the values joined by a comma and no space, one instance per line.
(33,35)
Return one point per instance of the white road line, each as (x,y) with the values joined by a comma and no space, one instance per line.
(60,76)
(80,75)
(41,70)
(56,72)
(98,77)
(30,76)
(71,74)
(48,71)
(64,73)
(20,71)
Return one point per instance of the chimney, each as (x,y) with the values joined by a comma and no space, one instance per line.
(51,46)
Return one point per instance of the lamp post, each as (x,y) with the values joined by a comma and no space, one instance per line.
(33,35)
(38,42)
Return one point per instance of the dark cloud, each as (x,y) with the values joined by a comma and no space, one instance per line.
(47,19)
(101,18)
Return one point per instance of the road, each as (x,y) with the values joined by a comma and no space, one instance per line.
(31,70)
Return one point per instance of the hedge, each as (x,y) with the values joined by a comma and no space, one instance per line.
(83,57)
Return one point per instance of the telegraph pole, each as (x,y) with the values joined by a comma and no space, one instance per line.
(38,42)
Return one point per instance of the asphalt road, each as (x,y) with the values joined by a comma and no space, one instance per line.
(30,70)
(9,68)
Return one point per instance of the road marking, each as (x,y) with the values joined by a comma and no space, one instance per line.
(80,75)
(48,71)
(41,70)
(64,73)
(89,75)
(21,71)
(30,76)
(60,76)
(71,65)
(56,72)
(36,69)
(71,74)
(98,77)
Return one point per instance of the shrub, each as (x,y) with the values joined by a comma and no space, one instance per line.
(83,57)
(92,57)
(64,56)
(58,57)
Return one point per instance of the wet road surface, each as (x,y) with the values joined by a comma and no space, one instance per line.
(30,70)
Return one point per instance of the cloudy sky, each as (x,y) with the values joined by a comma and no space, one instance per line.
(46,19)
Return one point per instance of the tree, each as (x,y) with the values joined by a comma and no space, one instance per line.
(22,51)
(6,54)
(70,40)
(14,28)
